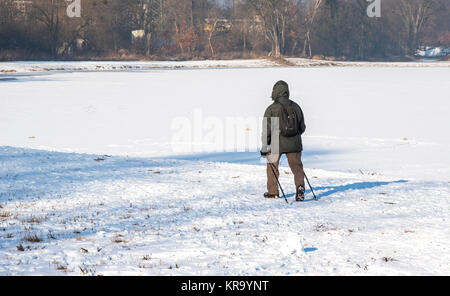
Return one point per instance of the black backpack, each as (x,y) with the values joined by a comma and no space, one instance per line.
(288,121)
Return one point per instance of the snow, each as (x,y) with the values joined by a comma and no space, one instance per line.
(432,52)
(87,164)
(58,66)
(46,66)
(302,62)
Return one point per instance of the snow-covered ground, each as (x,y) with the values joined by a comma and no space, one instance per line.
(91,181)
(302,62)
(52,66)
(27,67)
(433,52)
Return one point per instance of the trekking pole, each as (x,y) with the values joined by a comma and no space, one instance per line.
(315,197)
(273,170)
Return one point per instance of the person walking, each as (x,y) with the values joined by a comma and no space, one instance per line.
(283,127)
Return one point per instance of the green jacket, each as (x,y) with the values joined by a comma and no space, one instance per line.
(280,95)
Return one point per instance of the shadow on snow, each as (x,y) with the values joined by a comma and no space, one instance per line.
(39,165)
(330,190)
(252,158)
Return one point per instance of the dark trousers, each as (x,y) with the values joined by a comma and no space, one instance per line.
(296,165)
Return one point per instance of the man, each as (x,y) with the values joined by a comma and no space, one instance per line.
(283,119)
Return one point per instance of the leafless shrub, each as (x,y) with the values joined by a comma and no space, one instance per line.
(32,237)
(118,239)
(34,219)
(388,259)
(320,227)
(62,268)
(5,214)
(86,269)
(365,267)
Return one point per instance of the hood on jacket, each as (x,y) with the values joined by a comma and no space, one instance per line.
(280,91)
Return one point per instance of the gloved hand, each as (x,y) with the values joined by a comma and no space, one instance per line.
(265,151)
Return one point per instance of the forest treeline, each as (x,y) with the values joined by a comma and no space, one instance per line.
(197,29)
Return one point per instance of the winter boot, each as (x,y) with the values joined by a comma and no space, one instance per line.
(300,194)
(267,195)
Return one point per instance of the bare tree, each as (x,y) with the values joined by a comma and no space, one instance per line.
(50,12)
(241,24)
(312,9)
(211,29)
(179,18)
(274,14)
(414,14)
(166,28)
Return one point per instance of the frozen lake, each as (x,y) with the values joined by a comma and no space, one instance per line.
(393,116)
